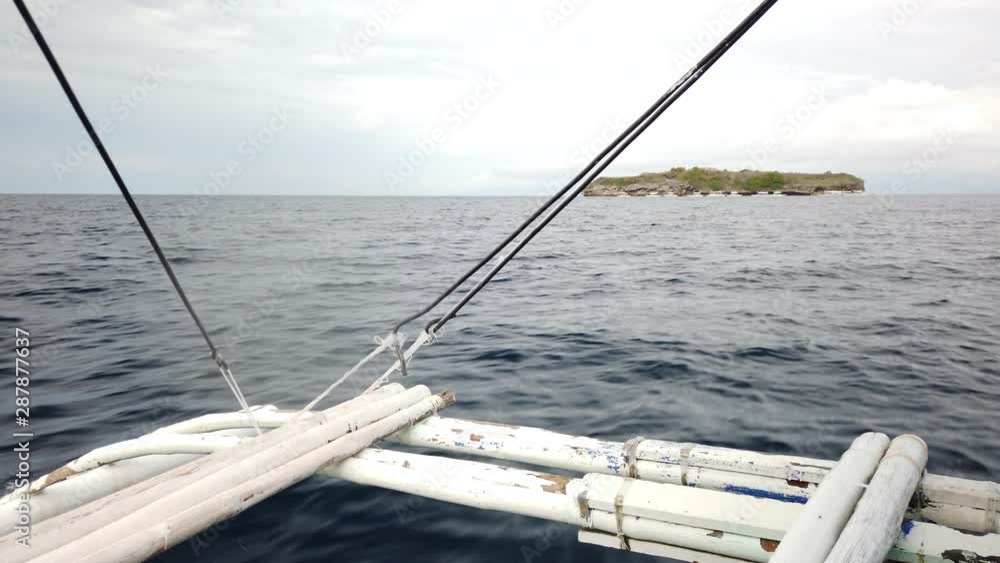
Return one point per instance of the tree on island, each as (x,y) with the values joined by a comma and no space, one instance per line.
(764,182)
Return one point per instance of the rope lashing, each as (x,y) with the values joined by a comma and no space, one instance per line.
(685,456)
(620,515)
(424,338)
(631,457)
(590,172)
(397,350)
(227,374)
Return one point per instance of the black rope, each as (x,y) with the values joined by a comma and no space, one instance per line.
(593,169)
(54,65)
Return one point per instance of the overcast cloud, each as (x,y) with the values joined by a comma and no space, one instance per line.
(426,97)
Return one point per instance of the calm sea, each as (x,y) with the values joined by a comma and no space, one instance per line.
(787,325)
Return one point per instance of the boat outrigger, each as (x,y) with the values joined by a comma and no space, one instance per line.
(132,500)
(689,502)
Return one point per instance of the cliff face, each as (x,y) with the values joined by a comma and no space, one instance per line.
(706,181)
(666,186)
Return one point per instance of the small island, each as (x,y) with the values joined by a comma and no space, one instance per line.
(697,181)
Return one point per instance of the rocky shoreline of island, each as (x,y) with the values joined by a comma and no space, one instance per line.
(699,181)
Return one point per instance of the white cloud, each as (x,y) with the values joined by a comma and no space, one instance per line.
(561,82)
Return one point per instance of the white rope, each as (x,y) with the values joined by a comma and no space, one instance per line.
(383,344)
(235,388)
(424,338)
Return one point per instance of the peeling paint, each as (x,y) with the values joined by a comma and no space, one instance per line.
(61,474)
(557,483)
(769,545)
(963,556)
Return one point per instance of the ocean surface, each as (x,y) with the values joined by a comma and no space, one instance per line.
(786,325)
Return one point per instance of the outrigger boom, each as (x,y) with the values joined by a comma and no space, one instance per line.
(686,501)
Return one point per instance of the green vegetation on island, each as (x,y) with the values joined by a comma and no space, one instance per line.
(709,181)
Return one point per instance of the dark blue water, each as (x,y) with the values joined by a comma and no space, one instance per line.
(787,325)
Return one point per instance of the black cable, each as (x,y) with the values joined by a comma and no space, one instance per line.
(594,168)
(54,65)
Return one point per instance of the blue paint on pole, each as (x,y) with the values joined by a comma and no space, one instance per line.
(758,493)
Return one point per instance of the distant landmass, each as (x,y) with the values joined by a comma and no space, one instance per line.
(710,181)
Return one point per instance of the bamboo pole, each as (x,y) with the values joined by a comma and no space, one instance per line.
(211,472)
(698,508)
(141,447)
(556,498)
(554,450)
(962,503)
(875,524)
(773,476)
(815,531)
(268,417)
(672,552)
(143,535)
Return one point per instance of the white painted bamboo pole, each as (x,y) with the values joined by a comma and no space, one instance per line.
(672,552)
(923,542)
(875,524)
(798,492)
(71,494)
(701,539)
(207,475)
(140,447)
(815,531)
(674,462)
(99,483)
(714,510)
(468,483)
(527,493)
(957,502)
(268,416)
(556,498)
(139,537)
(962,492)
(553,450)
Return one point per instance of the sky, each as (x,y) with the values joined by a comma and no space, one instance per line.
(441,97)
